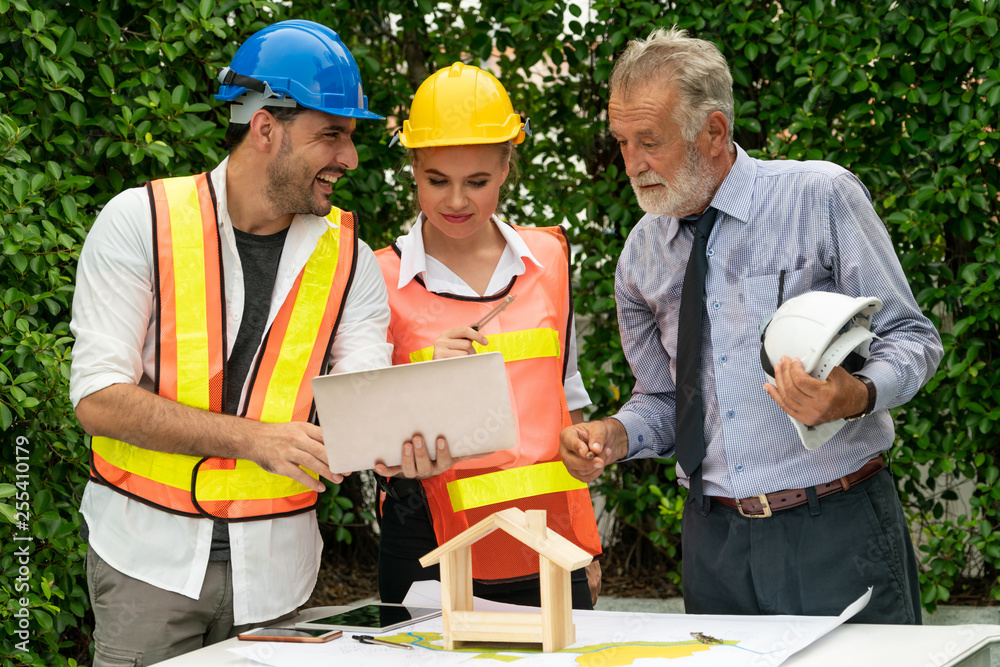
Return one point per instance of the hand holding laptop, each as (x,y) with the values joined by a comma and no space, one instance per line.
(365,416)
(417,463)
(416,460)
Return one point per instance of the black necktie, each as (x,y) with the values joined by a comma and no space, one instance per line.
(690,441)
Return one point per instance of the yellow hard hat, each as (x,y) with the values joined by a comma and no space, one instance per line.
(461,105)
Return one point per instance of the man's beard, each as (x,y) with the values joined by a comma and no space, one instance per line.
(290,186)
(692,187)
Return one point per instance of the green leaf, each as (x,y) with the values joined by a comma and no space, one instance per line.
(8,512)
(189,82)
(109,27)
(907,73)
(66,43)
(78,112)
(970,273)
(205,8)
(43,619)
(968,229)
(24,377)
(42,502)
(69,206)
(106,75)
(965,19)
(7,490)
(48,44)
(961,326)
(20,190)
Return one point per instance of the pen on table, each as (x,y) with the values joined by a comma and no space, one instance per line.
(368,639)
(475,326)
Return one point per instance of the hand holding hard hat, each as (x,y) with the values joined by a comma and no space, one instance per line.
(823,330)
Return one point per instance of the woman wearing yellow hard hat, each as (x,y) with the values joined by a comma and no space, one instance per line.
(458,263)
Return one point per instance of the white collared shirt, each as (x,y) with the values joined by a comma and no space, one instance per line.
(414,261)
(274,562)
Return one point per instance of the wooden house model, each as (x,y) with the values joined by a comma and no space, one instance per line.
(553,628)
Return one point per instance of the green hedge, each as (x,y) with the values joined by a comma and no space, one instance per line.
(108,94)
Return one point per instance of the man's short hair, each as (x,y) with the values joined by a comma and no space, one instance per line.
(237,132)
(696,66)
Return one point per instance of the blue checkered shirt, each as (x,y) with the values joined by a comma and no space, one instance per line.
(815,221)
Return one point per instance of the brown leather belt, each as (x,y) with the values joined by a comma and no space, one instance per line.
(761,507)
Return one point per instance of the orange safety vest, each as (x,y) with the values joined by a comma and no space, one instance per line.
(532,334)
(191,360)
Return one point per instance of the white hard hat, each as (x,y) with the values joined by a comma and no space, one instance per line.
(823,330)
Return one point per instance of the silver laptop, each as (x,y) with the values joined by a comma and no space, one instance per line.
(366,416)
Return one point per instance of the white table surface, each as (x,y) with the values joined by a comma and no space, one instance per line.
(853,645)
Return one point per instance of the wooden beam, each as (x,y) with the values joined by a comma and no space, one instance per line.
(553,546)
(456,590)
(558,630)
(534,520)
(496,627)
(469,536)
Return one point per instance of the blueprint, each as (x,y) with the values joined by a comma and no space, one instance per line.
(604,639)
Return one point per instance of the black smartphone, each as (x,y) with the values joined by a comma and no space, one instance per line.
(310,636)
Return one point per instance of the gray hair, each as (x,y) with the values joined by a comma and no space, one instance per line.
(699,69)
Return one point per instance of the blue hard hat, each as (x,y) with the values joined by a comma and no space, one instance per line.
(303,60)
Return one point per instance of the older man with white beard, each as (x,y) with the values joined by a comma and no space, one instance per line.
(770,527)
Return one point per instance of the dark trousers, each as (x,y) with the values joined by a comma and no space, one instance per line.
(810,560)
(407,535)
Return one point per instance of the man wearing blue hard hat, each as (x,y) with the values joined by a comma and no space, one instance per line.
(204,307)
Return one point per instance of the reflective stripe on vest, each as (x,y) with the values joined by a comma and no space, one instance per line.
(514,345)
(511,484)
(532,336)
(190,340)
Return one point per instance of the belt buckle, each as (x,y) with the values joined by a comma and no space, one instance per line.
(763,503)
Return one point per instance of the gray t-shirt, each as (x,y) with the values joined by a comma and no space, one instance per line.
(259,257)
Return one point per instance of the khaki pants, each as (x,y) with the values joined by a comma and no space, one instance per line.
(137,624)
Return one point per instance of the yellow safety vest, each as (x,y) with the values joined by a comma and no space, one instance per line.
(532,333)
(191,353)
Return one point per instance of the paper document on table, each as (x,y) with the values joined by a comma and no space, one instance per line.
(604,639)
(851,611)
